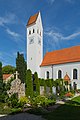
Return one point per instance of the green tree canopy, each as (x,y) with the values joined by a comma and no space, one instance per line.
(8,69)
(21,67)
(29,84)
(1,73)
(36,81)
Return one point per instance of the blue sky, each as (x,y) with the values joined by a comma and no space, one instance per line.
(61,23)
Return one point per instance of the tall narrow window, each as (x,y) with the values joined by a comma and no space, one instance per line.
(33,31)
(74,73)
(47,75)
(59,74)
(29,32)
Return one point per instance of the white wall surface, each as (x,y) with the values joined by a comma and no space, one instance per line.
(65,68)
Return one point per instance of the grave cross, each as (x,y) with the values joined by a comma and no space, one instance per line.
(16,74)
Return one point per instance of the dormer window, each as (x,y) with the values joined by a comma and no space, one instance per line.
(29,32)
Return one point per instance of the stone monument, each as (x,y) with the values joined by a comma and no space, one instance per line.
(17,87)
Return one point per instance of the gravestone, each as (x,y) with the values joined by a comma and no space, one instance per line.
(54,90)
(41,90)
(47,90)
(17,87)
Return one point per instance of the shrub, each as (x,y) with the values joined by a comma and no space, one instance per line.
(13,100)
(76,99)
(23,100)
(39,101)
(16,110)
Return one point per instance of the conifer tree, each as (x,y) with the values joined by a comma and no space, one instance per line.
(36,81)
(21,67)
(29,84)
(1,82)
(1,75)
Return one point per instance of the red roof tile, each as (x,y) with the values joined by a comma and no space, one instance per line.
(66,78)
(32,19)
(66,55)
(5,76)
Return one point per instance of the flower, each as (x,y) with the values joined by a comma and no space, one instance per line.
(69,94)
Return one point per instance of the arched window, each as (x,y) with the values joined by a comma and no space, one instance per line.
(33,31)
(29,32)
(74,73)
(47,75)
(59,74)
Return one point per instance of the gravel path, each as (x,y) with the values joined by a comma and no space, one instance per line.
(22,116)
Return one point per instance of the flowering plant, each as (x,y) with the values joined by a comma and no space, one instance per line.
(69,94)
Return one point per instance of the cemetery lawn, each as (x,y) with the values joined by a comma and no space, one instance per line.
(64,112)
(68,111)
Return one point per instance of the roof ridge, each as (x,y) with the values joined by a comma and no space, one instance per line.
(64,49)
(62,56)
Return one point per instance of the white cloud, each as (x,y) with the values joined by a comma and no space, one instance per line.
(70,1)
(13,34)
(72,36)
(7,19)
(6,58)
(51,1)
(55,39)
(58,36)
(17,37)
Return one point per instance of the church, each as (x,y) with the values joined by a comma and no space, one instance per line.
(58,64)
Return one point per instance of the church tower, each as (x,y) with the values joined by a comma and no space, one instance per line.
(34,43)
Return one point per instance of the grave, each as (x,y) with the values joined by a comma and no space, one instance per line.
(17,87)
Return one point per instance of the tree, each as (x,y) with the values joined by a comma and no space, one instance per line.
(8,69)
(1,74)
(1,81)
(3,93)
(29,84)
(21,67)
(36,81)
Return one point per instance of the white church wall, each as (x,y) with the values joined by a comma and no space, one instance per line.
(68,67)
(44,69)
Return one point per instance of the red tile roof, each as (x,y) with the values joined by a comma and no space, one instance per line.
(66,55)
(66,78)
(32,19)
(5,76)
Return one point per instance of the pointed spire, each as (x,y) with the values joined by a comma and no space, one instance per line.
(32,19)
